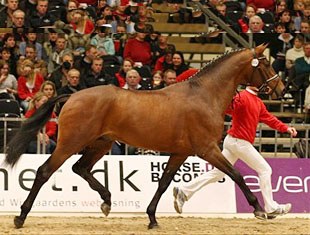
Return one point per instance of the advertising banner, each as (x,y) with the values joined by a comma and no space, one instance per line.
(132,181)
(290,183)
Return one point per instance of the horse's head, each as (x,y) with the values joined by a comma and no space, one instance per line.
(263,76)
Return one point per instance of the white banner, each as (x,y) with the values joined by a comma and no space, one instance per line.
(132,180)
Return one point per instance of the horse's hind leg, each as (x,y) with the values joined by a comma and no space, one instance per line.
(174,163)
(44,172)
(216,158)
(83,166)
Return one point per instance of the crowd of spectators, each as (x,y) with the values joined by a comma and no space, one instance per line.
(63,46)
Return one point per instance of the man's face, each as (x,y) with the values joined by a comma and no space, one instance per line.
(97,66)
(19,20)
(60,43)
(304,27)
(256,25)
(307,50)
(30,53)
(12,4)
(42,7)
(170,78)
(132,79)
(74,79)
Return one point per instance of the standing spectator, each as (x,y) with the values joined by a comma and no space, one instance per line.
(48,137)
(41,16)
(29,83)
(6,14)
(8,82)
(137,49)
(96,75)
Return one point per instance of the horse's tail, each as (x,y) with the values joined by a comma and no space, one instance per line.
(29,129)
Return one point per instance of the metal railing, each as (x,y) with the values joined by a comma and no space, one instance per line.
(280,141)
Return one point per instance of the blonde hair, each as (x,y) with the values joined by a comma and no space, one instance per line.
(37,97)
(44,84)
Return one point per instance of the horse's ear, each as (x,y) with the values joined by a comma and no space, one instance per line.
(259,50)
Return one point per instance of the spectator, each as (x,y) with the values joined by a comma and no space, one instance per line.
(48,137)
(50,44)
(256,25)
(81,23)
(6,14)
(8,82)
(293,53)
(41,16)
(29,83)
(49,89)
(165,62)
(170,77)
(178,63)
(137,49)
(133,79)
(305,29)
(302,71)
(250,11)
(10,43)
(84,62)
(120,39)
(28,6)
(59,50)
(32,39)
(96,75)
(18,19)
(60,76)
(158,80)
(102,41)
(285,17)
(263,5)
(121,75)
(7,57)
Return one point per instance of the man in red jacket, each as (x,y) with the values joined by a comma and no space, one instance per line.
(247,111)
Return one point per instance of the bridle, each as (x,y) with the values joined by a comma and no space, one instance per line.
(264,87)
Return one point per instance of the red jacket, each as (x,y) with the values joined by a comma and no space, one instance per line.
(247,111)
(186,74)
(50,126)
(88,2)
(267,4)
(22,89)
(121,80)
(138,51)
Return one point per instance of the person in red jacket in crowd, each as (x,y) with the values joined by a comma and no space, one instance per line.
(164,62)
(137,49)
(267,5)
(121,75)
(48,136)
(247,110)
(29,83)
(187,74)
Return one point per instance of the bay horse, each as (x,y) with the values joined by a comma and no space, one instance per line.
(184,119)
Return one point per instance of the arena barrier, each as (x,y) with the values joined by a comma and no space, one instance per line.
(133,181)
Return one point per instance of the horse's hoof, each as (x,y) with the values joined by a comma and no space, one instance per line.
(105,208)
(260,215)
(18,222)
(152,225)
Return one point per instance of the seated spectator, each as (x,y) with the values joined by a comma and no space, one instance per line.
(158,80)
(102,40)
(96,76)
(27,6)
(32,39)
(164,62)
(250,11)
(305,29)
(39,64)
(178,63)
(302,71)
(84,62)
(50,44)
(46,137)
(59,50)
(6,13)
(170,77)
(121,75)
(41,17)
(72,86)
(7,57)
(137,49)
(256,25)
(29,83)
(8,82)
(263,5)
(18,18)
(60,76)
(81,23)
(133,79)
(293,53)
(285,17)
(10,43)
(49,89)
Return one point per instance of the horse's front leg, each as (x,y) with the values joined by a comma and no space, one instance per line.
(174,163)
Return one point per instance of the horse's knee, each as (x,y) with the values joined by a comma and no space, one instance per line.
(76,168)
